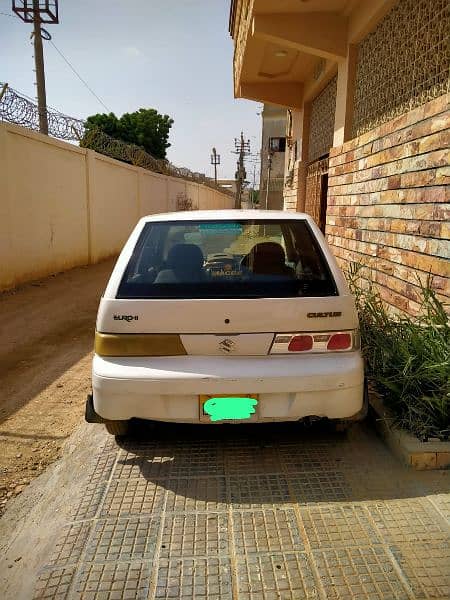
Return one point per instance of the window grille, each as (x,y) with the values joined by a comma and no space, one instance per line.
(402,64)
(321,130)
(314,188)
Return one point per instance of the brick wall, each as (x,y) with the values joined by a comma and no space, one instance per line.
(290,193)
(388,203)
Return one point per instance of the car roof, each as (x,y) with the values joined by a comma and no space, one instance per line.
(224,215)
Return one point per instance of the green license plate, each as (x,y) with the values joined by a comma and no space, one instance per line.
(227,408)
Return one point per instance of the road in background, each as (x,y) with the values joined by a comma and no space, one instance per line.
(47,335)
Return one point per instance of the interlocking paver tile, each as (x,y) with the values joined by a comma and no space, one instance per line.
(300,457)
(89,502)
(266,531)
(407,520)
(196,494)
(338,525)
(70,544)
(54,583)
(199,534)
(426,565)
(172,463)
(242,514)
(381,481)
(319,486)
(112,581)
(252,459)
(442,503)
(99,472)
(256,491)
(195,578)
(365,572)
(133,497)
(149,468)
(198,459)
(132,538)
(273,576)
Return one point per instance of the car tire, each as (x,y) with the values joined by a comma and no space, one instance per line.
(117,427)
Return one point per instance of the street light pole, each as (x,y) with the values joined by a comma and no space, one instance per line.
(40,74)
(215,160)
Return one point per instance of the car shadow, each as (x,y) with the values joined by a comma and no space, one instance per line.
(270,464)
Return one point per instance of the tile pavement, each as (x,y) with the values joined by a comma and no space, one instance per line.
(272,512)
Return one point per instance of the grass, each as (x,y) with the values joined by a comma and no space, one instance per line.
(407,358)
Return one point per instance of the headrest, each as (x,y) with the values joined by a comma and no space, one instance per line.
(185,256)
(269,253)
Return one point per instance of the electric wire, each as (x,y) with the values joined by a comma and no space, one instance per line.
(69,64)
(79,76)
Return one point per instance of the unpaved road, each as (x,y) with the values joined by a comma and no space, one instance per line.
(46,340)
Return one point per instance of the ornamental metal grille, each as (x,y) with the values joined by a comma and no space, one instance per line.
(321,129)
(403,64)
(316,191)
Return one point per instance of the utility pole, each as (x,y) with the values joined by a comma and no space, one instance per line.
(254,185)
(40,73)
(215,160)
(242,149)
(38,12)
(269,171)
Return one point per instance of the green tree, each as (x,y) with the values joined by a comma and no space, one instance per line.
(145,128)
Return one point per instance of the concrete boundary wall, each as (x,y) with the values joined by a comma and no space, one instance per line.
(62,206)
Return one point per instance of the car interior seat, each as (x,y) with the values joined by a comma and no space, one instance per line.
(267,258)
(184,264)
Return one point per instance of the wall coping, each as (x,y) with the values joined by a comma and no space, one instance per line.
(39,137)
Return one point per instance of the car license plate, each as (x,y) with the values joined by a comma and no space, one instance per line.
(228,407)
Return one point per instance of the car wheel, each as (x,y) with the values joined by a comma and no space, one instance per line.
(117,427)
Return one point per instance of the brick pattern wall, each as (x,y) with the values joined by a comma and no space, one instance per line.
(388,203)
(290,194)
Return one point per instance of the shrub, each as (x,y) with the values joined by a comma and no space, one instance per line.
(407,358)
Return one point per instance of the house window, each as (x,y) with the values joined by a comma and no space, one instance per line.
(277,144)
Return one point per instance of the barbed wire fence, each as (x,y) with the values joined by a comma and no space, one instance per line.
(19,109)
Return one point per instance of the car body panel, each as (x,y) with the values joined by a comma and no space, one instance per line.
(168,388)
(228,344)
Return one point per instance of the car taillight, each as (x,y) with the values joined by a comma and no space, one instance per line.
(301,343)
(333,341)
(340,341)
(138,344)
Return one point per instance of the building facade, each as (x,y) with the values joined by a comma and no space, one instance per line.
(273,146)
(367,146)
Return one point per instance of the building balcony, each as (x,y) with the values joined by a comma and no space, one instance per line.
(285,51)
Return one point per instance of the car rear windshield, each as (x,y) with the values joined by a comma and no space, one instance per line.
(227,259)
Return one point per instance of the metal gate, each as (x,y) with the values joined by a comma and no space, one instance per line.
(316,191)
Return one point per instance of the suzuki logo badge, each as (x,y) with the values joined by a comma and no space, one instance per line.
(226,346)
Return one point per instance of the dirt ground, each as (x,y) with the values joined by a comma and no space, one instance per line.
(46,340)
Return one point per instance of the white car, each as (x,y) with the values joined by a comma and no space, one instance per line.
(226,316)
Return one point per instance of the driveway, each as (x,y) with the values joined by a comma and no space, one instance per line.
(246,512)
(221,512)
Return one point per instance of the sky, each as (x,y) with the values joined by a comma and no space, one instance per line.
(172,55)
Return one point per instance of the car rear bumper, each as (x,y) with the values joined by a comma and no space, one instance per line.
(288,387)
